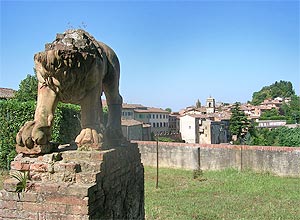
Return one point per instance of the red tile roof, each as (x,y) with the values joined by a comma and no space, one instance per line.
(6,93)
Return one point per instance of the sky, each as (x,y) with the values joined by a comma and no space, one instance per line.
(172,53)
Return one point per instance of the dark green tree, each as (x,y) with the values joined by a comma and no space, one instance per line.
(168,110)
(272,114)
(198,104)
(282,136)
(282,89)
(239,123)
(291,110)
(27,89)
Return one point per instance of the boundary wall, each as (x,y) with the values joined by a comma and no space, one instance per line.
(282,161)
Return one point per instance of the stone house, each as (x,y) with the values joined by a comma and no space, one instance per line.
(132,129)
(190,127)
(214,132)
(157,118)
(153,120)
(128,110)
(199,129)
(174,122)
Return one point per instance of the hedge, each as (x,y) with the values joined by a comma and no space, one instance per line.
(14,114)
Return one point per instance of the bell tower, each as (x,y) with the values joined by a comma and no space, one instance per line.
(210,105)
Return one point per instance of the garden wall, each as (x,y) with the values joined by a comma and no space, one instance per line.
(282,161)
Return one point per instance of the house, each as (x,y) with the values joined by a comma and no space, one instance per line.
(271,123)
(190,127)
(6,93)
(156,117)
(132,129)
(128,110)
(198,129)
(214,132)
(174,122)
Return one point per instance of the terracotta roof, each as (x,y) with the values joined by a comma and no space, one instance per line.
(130,122)
(151,110)
(195,115)
(132,106)
(7,93)
(125,105)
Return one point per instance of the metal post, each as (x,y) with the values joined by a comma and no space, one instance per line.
(156,161)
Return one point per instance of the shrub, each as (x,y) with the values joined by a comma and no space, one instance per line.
(14,114)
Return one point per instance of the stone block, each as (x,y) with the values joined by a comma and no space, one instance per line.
(20,166)
(80,185)
(39,167)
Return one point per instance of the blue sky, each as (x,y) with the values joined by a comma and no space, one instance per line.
(171,52)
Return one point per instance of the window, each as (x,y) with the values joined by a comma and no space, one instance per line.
(157,124)
(190,127)
(153,125)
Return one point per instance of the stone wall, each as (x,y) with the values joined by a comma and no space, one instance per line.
(77,185)
(283,161)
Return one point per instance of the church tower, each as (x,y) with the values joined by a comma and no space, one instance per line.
(210,105)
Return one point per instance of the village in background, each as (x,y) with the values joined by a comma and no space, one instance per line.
(203,124)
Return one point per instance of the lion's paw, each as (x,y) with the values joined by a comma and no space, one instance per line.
(32,135)
(89,136)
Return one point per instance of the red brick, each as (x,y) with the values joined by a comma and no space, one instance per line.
(47,187)
(76,217)
(8,214)
(33,207)
(68,200)
(39,167)
(8,196)
(50,207)
(8,205)
(86,177)
(10,184)
(18,165)
(29,197)
(12,196)
(98,156)
(77,209)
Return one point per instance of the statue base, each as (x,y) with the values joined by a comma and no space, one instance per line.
(76,185)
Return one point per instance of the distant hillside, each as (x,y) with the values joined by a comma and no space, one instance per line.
(281,89)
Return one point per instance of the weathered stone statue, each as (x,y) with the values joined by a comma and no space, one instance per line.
(75,68)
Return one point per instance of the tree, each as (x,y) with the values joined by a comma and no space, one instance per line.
(282,89)
(282,136)
(239,123)
(27,89)
(168,110)
(291,110)
(272,114)
(198,104)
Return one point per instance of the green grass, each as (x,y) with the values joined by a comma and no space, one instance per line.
(227,194)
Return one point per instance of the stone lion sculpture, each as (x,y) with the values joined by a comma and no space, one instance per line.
(75,68)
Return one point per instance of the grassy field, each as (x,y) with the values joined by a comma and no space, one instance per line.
(228,194)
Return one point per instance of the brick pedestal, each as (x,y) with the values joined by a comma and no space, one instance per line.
(77,185)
